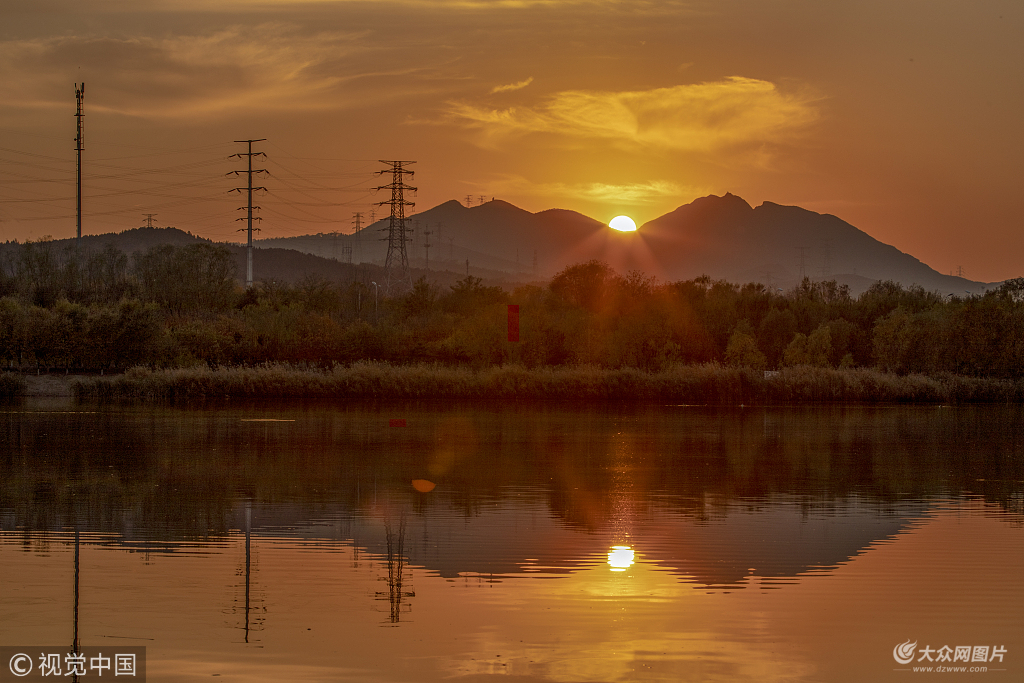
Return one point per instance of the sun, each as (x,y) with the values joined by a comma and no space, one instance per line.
(623,224)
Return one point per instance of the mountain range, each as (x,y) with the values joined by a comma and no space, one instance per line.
(722,237)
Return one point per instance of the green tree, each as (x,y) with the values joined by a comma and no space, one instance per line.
(584,284)
(810,350)
(742,351)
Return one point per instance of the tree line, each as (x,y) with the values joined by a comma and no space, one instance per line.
(175,306)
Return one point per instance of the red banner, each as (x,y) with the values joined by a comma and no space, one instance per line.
(513,322)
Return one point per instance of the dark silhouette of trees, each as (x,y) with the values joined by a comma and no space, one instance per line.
(179,306)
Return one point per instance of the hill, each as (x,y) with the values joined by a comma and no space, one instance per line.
(494,236)
(726,237)
(269,263)
(722,237)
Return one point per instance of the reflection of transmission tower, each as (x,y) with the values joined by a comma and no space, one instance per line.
(396,563)
(396,266)
(252,609)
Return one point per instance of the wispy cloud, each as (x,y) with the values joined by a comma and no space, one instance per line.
(696,117)
(511,86)
(645,193)
(632,6)
(269,67)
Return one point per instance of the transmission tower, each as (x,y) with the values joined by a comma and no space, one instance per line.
(396,266)
(79,144)
(149,219)
(249,207)
(469,200)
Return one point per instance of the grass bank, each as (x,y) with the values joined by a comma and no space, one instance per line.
(711,383)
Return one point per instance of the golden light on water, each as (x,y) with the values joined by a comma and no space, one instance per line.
(622,224)
(620,558)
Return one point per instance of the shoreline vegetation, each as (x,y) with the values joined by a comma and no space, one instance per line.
(178,324)
(710,384)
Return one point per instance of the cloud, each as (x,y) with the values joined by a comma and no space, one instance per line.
(634,194)
(269,67)
(700,117)
(632,6)
(512,86)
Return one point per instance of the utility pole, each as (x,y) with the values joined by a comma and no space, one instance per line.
(79,144)
(396,266)
(357,221)
(249,189)
(426,246)
(803,269)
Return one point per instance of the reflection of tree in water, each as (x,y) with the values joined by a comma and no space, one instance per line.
(163,477)
(395,559)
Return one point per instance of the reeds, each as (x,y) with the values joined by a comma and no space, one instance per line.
(704,384)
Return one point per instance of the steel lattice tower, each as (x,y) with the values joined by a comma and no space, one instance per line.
(396,268)
(250,189)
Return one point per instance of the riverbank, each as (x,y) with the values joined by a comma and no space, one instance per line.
(711,384)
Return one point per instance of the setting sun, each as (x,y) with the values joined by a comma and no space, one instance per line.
(622,224)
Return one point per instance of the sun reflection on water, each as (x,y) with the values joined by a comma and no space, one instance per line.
(620,558)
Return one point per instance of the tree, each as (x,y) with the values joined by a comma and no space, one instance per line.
(584,284)
(742,351)
(813,350)
(197,277)
(776,331)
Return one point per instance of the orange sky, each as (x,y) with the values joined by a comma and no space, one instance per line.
(899,117)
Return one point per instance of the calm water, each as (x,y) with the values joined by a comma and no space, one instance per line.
(645,543)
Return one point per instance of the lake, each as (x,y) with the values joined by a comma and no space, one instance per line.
(542,542)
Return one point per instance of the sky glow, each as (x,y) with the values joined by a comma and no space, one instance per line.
(901,122)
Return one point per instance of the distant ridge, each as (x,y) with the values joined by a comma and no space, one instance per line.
(719,236)
(269,263)
(725,237)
